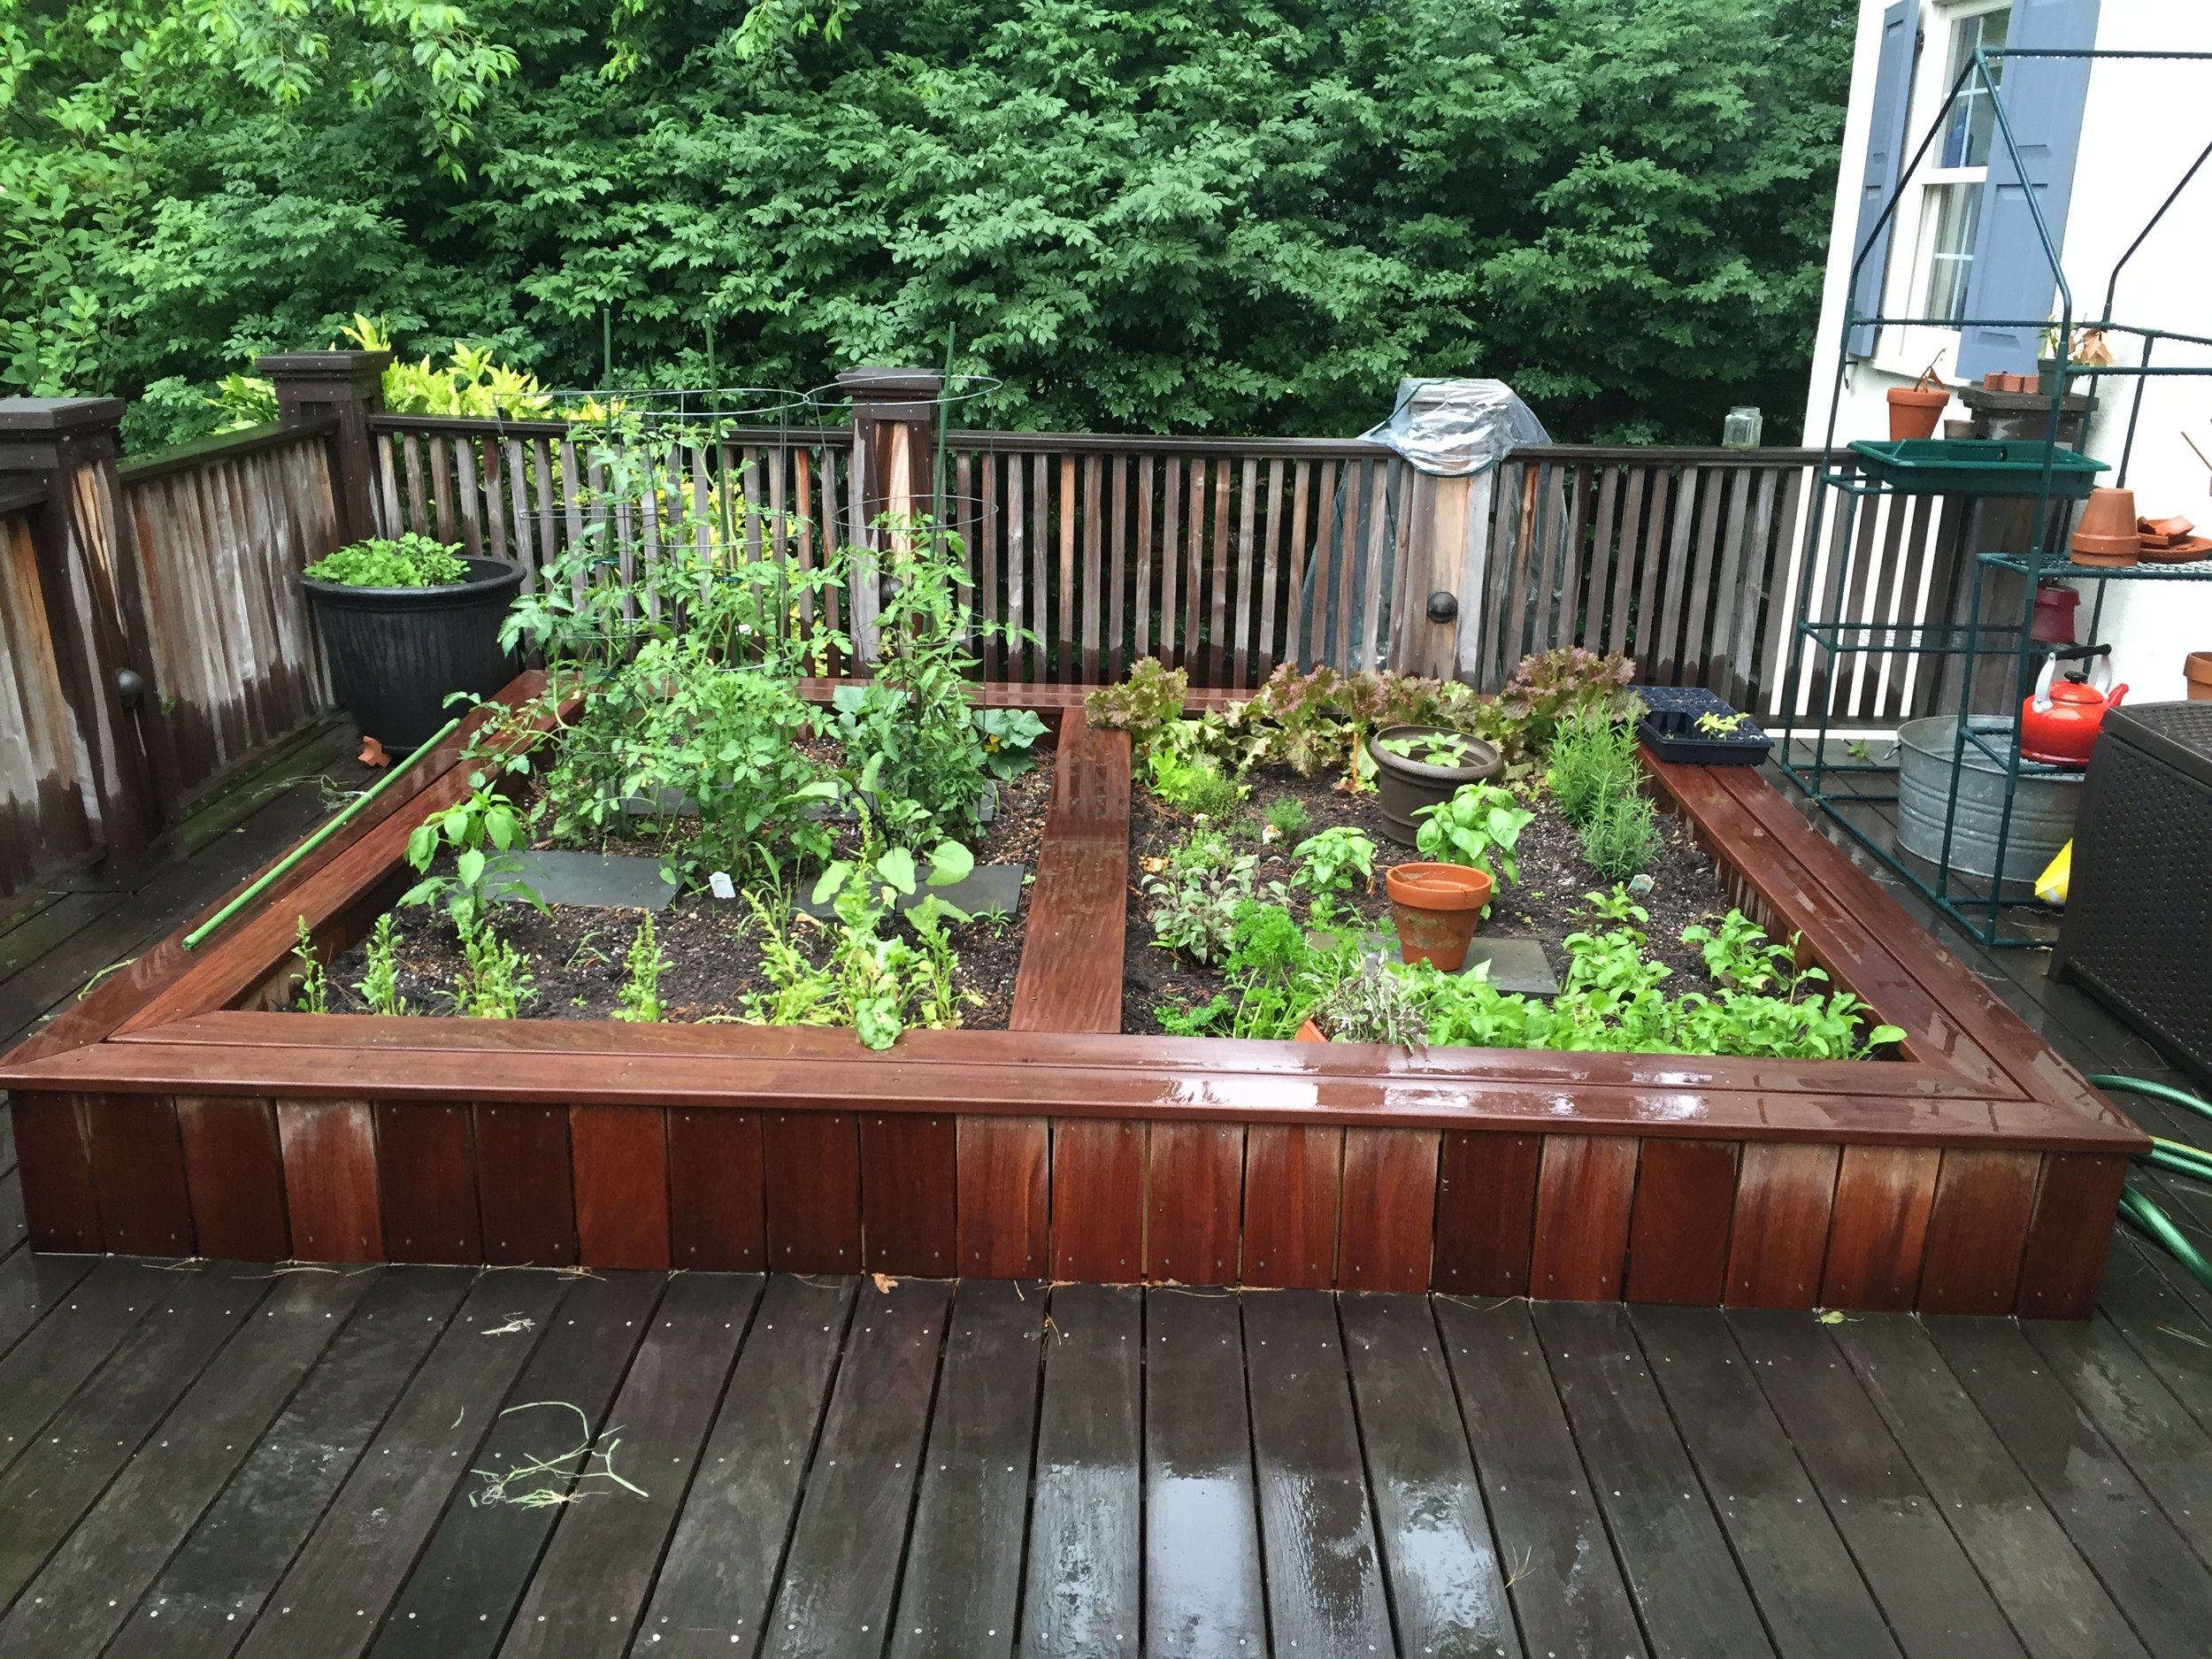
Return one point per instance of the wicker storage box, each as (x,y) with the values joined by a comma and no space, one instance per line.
(2138,929)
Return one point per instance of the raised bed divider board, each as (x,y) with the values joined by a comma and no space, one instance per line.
(170,1113)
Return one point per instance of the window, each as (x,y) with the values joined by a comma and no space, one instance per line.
(1956,211)
(1941,215)
(1966,134)
(1951,213)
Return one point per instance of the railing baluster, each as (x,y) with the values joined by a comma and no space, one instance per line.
(1247,506)
(1140,646)
(1195,574)
(1118,591)
(993,601)
(1171,558)
(1296,556)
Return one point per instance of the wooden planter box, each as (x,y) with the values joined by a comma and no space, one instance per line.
(169,1114)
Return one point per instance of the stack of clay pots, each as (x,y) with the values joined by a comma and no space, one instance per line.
(2107,537)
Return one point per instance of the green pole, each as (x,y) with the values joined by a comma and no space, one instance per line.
(291,859)
(606,346)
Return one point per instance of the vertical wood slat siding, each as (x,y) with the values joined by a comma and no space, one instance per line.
(1485,1212)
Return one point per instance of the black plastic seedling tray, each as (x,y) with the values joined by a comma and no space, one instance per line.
(1668,729)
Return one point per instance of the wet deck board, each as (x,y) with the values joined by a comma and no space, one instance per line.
(1445,1586)
(213,1590)
(719,1575)
(1325,1590)
(1676,1560)
(963,1568)
(1800,1573)
(597,1575)
(463,1593)
(1567,1588)
(1204,1591)
(1082,1592)
(841,1572)
(118,1543)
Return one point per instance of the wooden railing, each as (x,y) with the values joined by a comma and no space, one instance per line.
(223,530)
(1227,556)
(1223,555)
(152,632)
(47,817)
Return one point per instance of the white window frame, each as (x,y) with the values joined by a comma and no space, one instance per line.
(1905,350)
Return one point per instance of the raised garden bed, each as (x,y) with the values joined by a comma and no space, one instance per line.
(172,1112)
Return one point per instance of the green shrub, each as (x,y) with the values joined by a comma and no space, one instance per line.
(1593,759)
(1193,785)
(1622,837)
(413,561)
(1287,817)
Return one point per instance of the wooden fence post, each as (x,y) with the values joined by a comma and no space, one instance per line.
(895,454)
(349,385)
(88,567)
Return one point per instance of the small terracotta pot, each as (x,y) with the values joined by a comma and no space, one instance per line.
(2107,535)
(1438,907)
(1913,413)
(1309,1032)
(2198,666)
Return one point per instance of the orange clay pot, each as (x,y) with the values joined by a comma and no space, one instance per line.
(2198,666)
(2107,535)
(1438,907)
(1913,411)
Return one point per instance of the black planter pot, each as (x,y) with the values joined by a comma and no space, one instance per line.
(1404,785)
(396,653)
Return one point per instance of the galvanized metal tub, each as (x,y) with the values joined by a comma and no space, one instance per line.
(2043,805)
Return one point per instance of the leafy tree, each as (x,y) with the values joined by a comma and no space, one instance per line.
(1215,214)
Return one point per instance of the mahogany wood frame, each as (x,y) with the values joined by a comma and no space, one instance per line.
(171,1113)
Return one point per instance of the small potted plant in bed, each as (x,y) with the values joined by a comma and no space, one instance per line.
(1417,767)
(407,624)
(1469,841)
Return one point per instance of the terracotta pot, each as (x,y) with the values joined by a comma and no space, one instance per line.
(2107,535)
(1913,413)
(2198,666)
(1309,1032)
(1438,907)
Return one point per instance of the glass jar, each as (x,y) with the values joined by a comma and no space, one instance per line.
(1740,429)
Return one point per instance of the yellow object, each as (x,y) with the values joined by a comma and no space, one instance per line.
(2051,886)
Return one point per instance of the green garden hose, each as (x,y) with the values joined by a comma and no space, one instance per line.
(2156,1091)
(2174,1156)
(2153,1221)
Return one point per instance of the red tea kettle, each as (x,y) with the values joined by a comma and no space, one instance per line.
(2059,723)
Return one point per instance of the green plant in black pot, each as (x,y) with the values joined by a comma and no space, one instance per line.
(408,624)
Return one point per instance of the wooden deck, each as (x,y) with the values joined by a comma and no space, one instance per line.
(220,1459)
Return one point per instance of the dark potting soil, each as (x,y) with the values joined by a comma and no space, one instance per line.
(577,953)
(1546,905)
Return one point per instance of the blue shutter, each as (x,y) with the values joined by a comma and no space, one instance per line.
(1884,153)
(2042,98)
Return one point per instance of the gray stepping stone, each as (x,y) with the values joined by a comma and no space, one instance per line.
(1517,965)
(602,879)
(988,890)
